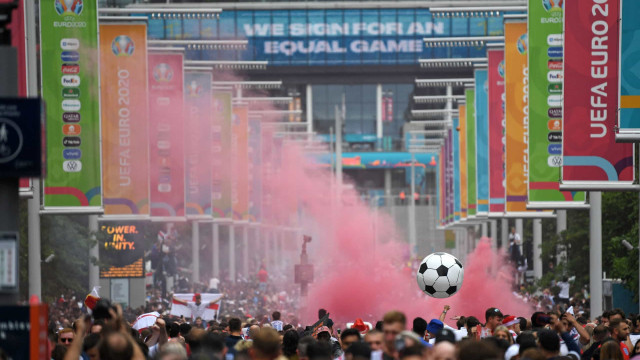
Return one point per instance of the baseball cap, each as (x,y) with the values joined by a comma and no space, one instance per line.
(434,326)
(446,335)
(322,329)
(510,320)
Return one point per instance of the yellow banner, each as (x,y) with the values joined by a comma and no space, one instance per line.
(462,131)
(123,78)
(517,115)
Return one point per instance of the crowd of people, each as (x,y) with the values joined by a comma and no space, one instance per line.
(561,333)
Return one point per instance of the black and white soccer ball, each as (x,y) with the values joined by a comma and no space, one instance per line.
(440,275)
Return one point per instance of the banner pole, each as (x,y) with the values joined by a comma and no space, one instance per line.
(94,270)
(595,252)
(33,204)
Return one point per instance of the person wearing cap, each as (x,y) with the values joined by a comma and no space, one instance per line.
(446,334)
(513,325)
(360,326)
(434,326)
(493,318)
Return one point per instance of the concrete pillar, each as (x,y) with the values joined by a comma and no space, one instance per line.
(195,251)
(595,252)
(379,126)
(35,252)
(485,229)
(494,234)
(215,252)
(504,230)
(387,183)
(537,251)
(561,225)
(309,109)
(245,251)
(94,270)
(232,252)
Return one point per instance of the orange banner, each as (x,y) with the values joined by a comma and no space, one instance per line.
(240,163)
(123,78)
(462,131)
(517,115)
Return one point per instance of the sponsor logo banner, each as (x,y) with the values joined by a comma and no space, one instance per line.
(70,87)
(221,158)
(198,125)
(496,130)
(545,53)
(482,140)
(591,96)
(125,146)
(166,130)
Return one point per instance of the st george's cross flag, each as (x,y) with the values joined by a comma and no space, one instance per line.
(208,309)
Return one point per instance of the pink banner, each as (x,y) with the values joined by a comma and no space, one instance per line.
(590,153)
(166,134)
(496,130)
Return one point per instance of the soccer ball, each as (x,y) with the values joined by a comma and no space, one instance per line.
(440,275)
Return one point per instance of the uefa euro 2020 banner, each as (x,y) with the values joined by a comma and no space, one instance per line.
(517,116)
(470,127)
(590,154)
(70,88)
(456,169)
(221,157)
(629,116)
(482,142)
(496,131)
(166,135)
(240,160)
(545,107)
(462,131)
(125,147)
(449,176)
(198,148)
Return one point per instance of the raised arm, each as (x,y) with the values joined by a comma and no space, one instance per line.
(443,315)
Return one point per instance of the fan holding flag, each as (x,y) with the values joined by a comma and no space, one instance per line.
(192,305)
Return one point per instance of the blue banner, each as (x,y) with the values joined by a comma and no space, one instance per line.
(456,170)
(334,37)
(482,141)
(629,117)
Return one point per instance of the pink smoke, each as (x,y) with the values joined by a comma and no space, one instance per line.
(357,277)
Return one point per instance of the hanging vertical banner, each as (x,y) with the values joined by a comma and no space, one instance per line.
(441,193)
(496,131)
(629,99)
(449,179)
(590,156)
(470,126)
(546,74)
(198,139)
(517,116)
(482,142)
(239,164)
(71,88)
(125,149)
(221,157)
(462,132)
(255,170)
(166,135)
(456,169)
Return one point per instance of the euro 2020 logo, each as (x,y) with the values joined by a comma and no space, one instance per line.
(553,5)
(122,45)
(522,44)
(68,7)
(193,89)
(162,72)
(501,69)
